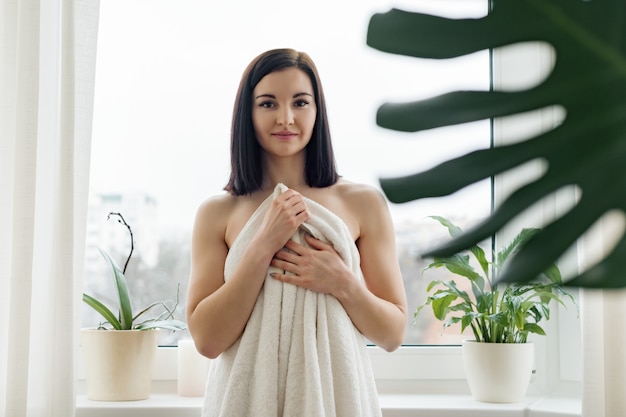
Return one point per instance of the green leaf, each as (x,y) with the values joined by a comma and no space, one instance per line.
(451,321)
(458,264)
(587,150)
(432,284)
(484,301)
(440,305)
(467,320)
(103,310)
(553,274)
(454,290)
(515,245)
(162,324)
(476,250)
(126,311)
(453,229)
(534,328)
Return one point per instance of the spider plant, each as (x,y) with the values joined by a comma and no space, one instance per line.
(496,313)
(126,319)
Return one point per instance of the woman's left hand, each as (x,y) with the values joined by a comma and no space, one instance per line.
(317,267)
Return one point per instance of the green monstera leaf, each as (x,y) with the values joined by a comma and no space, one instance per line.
(587,149)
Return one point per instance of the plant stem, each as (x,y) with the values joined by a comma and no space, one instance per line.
(132,240)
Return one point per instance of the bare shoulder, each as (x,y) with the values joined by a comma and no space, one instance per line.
(225,215)
(213,213)
(366,204)
(216,205)
(358,195)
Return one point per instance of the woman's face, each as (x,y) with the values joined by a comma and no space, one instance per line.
(284,111)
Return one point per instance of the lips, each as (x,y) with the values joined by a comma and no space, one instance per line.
(284,135)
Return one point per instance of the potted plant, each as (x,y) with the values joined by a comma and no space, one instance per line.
(499,316)
(119,353)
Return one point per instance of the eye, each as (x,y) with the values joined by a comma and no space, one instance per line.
(267,104)
(301,103)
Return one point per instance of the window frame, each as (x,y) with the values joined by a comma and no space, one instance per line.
(415,366)
(411,366)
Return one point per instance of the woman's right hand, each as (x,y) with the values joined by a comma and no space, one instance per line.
(286,213)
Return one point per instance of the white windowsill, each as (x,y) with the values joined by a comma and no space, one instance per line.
(165,402)
(434,396)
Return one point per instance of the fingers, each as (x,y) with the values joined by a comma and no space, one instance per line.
(287,259)
(284,266)
(283,255)
(287,212)
(289,279)
(292,205)
(315,243)
(314,265)
(293,199)
(312,241)
(297,258)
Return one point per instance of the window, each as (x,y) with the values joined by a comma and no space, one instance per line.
(166,78)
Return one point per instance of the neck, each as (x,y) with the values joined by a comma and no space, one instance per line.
(291,181)
(287,171)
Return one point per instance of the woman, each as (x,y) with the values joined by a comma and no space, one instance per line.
(294,267)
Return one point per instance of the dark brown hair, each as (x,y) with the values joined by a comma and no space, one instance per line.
(246,174)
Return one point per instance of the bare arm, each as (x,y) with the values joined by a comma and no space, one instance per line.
(218,310)
(379,310)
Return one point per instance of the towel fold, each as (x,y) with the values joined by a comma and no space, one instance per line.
(300,355)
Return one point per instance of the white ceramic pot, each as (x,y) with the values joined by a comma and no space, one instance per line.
(119,363)
(498,372)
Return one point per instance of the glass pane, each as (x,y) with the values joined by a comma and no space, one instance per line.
(166,78)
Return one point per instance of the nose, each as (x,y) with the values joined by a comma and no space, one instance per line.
(284,116)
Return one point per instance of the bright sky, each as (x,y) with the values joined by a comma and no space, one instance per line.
(168,71)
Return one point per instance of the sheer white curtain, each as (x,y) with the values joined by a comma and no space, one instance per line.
(603,331)
(47,64)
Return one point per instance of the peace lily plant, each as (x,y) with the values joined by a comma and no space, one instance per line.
(126,319)
(495,313)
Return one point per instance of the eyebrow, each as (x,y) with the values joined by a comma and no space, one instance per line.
(294,96)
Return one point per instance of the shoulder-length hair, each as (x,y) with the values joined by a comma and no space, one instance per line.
(246,174)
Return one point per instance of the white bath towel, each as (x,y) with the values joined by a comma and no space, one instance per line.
(300,355)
